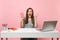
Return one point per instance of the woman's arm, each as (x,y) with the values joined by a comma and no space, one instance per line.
(36,25)
(21,24)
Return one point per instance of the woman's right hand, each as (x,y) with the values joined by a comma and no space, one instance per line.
(22,15)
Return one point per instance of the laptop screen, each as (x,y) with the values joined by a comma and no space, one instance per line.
(49,25)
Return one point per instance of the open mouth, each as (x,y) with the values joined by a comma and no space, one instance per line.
(29,14)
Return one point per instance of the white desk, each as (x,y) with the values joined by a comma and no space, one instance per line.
(29,33)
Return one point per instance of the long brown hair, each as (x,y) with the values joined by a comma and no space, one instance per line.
(32,17)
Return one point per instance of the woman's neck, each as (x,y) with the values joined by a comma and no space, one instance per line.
(29,18)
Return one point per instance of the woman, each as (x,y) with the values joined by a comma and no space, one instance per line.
(29,22)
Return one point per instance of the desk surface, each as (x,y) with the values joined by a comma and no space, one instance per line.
(29,33)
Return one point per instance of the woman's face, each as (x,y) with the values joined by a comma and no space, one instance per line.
(29,12)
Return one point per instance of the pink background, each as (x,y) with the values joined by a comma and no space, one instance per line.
(10,12)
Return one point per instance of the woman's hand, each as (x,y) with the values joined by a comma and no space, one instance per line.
(21,15)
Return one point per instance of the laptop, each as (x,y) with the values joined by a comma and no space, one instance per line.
(49,26)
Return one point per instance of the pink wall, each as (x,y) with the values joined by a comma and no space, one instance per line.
(10,11)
